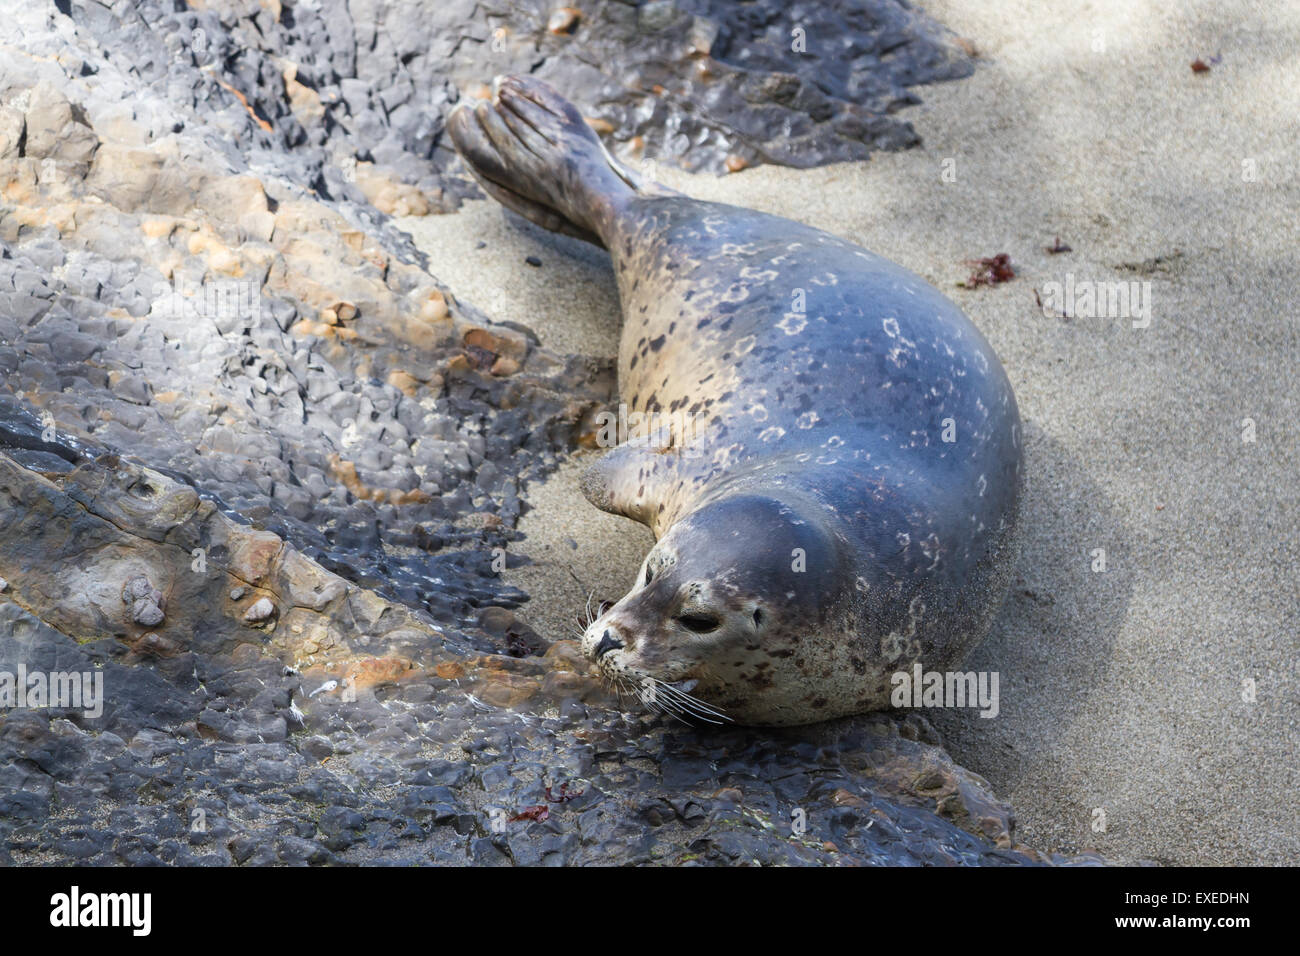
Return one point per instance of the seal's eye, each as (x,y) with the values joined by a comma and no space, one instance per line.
(699,623)
(648,574)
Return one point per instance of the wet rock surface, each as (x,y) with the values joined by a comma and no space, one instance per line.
(359,90)
(165,301)
(347,728)
(257,465)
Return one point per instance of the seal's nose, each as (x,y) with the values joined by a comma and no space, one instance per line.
(608,642)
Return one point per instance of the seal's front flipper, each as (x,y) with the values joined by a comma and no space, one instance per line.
(639,481)
(531,150)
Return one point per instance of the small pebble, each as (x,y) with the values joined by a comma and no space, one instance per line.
(146,613)
(259,611)
(145,600)
(533,261)
(237,593)
(563,20)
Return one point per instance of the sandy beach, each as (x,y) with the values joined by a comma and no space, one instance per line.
(1149,710)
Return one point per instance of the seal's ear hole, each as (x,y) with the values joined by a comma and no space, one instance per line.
(758,617)
(699,623)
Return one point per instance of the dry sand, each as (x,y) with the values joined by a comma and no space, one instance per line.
(1122,691)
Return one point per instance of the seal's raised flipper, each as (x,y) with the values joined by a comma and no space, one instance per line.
(634,480)
(531,150)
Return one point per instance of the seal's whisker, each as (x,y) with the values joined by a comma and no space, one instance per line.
(666,703)
(682,695)
(661,706)
(692,705)
(615,682)
(705,713)
(700,714)
(625,683)
(702,708)
(648,693)
(715,710)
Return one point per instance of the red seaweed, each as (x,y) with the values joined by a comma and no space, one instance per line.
(564,796)
(990,271)
(538,812)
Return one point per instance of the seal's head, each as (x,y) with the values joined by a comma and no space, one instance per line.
(719,609)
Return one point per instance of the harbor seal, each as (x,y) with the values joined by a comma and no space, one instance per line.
(849,508)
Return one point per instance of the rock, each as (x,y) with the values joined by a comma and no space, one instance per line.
(389,195)
(58,130)
(146,601)
(404,381)
(563,20)
(139,179)
(12,126)
(303,100)
(146,613)
(501,340)
(504,365)
(259,611)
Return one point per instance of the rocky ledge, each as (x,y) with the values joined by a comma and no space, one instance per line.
(256,708)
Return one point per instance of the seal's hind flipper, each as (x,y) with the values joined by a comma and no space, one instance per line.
(531,150)
(610,483)
(635,480)
(548,219)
